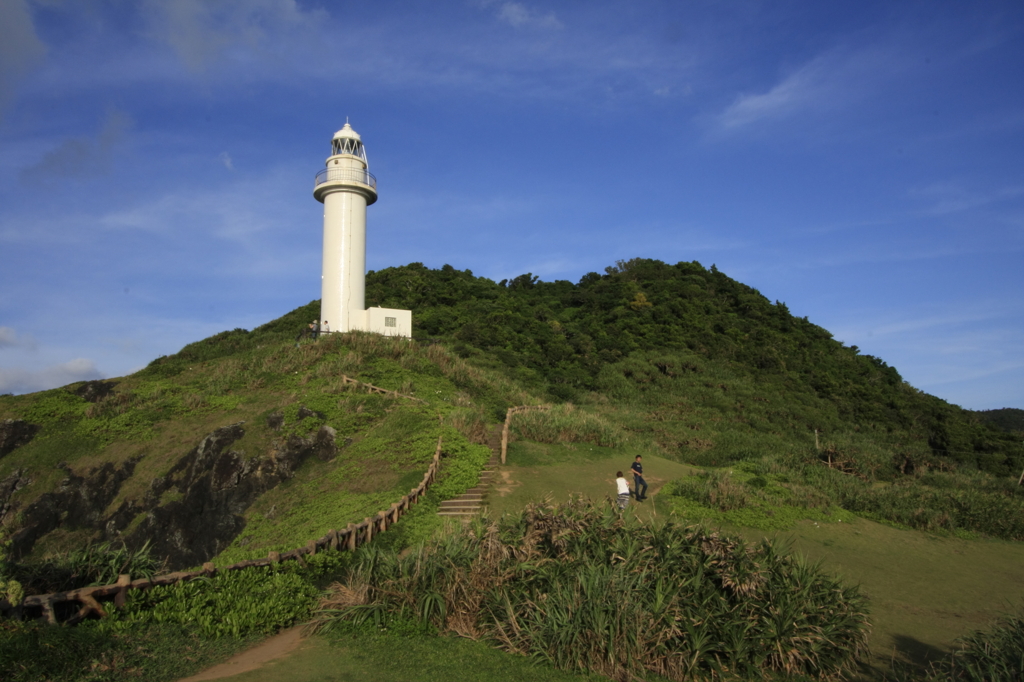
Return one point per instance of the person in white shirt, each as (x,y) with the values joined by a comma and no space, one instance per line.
(623,486)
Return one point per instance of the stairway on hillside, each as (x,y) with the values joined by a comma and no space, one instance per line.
(473,502)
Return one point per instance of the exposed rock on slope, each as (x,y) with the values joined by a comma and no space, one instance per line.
(216,486)
(15,433)
(211,487)
(78,502)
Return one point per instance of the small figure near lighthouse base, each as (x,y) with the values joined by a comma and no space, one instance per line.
(346,187)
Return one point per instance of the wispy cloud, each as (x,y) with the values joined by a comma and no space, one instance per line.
(9,338)
(518,15)
(81,157)
(831,80)
(953,197)
(26,381)
(20,47)
(203,32)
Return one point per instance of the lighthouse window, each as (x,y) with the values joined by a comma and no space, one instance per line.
(390,321)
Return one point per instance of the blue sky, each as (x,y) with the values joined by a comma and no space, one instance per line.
(861,161)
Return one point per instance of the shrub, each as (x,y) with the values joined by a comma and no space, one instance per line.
(252,601)
(991,656)
(94,564)
(715,489)
(565,424)
(586,589)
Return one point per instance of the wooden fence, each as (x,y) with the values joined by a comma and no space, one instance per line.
(370,388)
(355,535)
(508,420)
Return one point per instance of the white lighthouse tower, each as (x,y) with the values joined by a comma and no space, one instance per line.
(346,187)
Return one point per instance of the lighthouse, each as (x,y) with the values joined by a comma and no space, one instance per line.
(345,188)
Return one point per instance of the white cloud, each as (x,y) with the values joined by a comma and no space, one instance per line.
(20,47)
(225,158)
(26,381)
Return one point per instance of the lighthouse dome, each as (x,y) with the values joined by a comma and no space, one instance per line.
(347,133)
(347,141)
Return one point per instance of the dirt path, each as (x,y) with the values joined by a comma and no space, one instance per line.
(277,646)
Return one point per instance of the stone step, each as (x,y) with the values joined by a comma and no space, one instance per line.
(463,514)
(477,490)
(461,504)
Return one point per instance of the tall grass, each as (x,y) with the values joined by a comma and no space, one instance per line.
(95,564)
(566,424)
(584,588)
(996,655)
(471,423)
(715,489)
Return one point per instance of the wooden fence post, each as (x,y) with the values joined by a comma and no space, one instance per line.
(123,581)
(51,617)
(504,435)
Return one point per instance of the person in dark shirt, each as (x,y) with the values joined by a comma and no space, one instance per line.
(638,479)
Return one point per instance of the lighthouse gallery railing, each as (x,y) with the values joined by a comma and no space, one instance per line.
(363,177)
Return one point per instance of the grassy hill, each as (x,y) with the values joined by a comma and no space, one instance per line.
(124,459)
(248,441)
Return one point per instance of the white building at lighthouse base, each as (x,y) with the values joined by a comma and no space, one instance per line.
(388,321)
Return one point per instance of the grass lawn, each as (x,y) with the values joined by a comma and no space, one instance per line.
(376,658)
(534,471)
(925,590)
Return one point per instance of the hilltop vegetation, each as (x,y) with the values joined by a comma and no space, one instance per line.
(248,442)
(648,333)
(678,358)
(1006,419)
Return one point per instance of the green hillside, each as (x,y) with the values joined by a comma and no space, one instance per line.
(678,358)
(242,443)
(1006,419)
(252,441)
(682,337)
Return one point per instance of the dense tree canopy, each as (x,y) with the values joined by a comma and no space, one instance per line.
(644,316)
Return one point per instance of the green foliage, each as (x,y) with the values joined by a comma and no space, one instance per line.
(1007,419)
(773,493)
(588,590)
(651,333)
(749,500)
(91,652)
(95,564)
(566,424)
(986,656)
(232,603)
(10,588)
